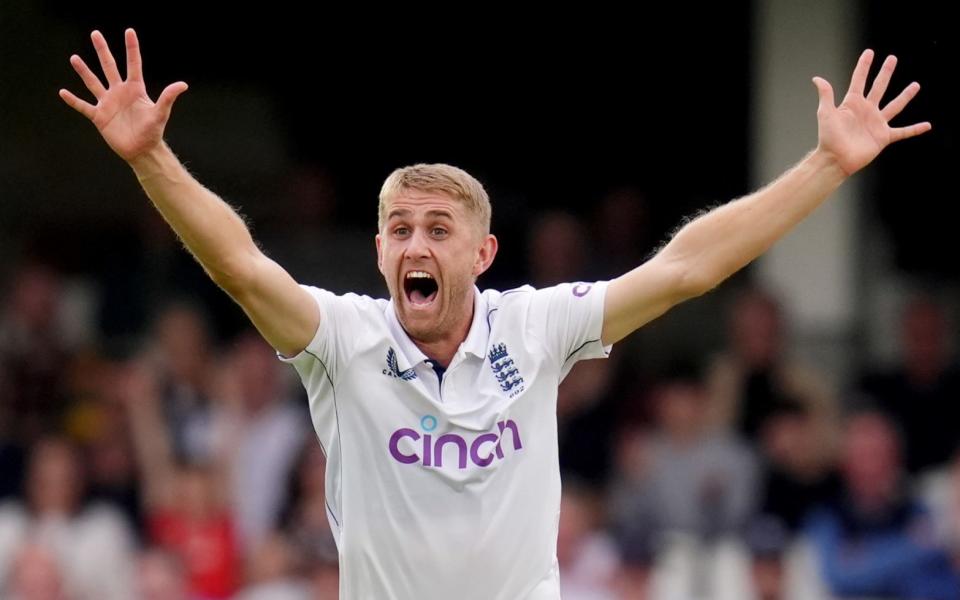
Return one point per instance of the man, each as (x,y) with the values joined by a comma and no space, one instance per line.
(875,539)
(920,391)
(436,408)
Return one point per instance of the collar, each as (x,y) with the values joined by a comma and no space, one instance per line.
(475,343)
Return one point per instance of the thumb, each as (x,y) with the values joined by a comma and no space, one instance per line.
(169,95)
(825,91)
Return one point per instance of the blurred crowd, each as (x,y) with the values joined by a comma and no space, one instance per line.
(181,463)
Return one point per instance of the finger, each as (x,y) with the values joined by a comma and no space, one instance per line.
(859,78)
(883,79)
(84,108)
(896,105)
(134,62)
(106,58)
(169,95)
(902,133)
(825,91)
(89,78)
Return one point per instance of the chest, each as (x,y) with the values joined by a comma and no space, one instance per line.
(477,413)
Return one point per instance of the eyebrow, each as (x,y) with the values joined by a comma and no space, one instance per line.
(406,212)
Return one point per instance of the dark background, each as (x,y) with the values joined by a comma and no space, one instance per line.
(549,108)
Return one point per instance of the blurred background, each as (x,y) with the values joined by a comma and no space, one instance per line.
(793,434)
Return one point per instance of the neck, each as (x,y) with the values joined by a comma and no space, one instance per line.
(443,349)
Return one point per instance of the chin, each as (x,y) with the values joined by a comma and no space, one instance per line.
(424,334)
(419,326)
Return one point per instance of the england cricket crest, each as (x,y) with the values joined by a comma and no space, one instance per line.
(505,370)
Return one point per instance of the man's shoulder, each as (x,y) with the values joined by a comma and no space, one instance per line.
(361,302)
(500,302)
(492,296)
(527,292)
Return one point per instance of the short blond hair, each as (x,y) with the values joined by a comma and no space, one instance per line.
(438,177)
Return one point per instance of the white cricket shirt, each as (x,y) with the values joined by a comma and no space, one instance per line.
(447,488)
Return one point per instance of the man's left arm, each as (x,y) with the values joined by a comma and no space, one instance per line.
(717,244)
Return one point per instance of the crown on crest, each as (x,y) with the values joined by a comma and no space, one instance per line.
(498,352)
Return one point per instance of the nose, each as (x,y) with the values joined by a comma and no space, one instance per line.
(418,246)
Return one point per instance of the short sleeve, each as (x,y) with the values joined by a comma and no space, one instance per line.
(568,318)
(335,341)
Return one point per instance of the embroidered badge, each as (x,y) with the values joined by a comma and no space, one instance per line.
(393,368)
(505,370)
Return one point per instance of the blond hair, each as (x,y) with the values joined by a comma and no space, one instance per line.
(446,179)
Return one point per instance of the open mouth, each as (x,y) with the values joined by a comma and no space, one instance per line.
(420,287)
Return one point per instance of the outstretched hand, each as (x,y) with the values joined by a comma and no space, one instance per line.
(129,121)
(855,132)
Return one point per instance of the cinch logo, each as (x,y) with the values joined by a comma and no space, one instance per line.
(428,450)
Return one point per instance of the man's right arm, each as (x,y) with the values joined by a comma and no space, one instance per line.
(283,312)
(132,125)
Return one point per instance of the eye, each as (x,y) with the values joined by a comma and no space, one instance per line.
(439,231)
(401,230)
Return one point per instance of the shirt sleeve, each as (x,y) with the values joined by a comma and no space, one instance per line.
(568,318)
(335,340)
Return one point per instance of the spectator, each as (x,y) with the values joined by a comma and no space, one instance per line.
(186,509)
(921,392)
(876,540)
(798,475)
(755,375)
(92,543)
(260,433)
(587,556)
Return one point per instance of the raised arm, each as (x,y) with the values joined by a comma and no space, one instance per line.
(719,243)
(132,125)
(138,389)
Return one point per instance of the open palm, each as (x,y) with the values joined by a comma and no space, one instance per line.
(129,121)
(855,132)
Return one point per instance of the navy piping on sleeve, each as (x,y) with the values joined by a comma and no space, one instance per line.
(336,413)
(579,348)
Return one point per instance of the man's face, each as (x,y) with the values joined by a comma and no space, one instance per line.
(757,331)
(430,252)
(871,458)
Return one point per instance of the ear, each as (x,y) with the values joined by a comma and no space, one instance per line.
(485,254)
(379,254)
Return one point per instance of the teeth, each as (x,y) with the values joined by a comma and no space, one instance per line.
(419,275)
